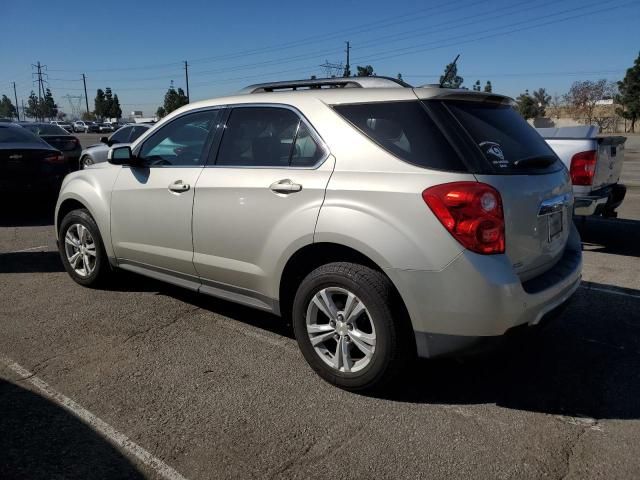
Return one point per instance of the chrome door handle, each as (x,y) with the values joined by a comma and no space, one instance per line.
(179,187)
(285,186)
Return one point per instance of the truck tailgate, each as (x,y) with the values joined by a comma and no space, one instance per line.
(610,160)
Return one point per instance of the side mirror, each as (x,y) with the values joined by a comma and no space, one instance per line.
(104,140)
(121,156)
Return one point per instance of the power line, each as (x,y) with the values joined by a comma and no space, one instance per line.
(418,48)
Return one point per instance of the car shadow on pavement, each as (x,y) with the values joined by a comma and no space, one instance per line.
(36,212)
(40,440)
(610,235)
(585,364)
(30,262)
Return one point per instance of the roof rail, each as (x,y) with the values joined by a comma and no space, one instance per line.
(336,82)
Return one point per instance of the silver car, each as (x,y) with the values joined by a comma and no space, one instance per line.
(384,221)
(123,136)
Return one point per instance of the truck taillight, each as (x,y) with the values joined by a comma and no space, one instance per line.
(471,212)
(583,167)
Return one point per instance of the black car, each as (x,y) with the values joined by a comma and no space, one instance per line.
(28,163)
(58,138)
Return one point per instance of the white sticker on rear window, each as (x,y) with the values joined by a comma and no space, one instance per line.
(493,151)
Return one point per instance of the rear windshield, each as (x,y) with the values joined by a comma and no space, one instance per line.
(504,137)
(17,135)
(405,130)
(45,129)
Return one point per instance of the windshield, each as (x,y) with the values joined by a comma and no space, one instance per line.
(504,137)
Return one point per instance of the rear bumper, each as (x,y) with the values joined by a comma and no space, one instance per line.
(600,202)
(481,296)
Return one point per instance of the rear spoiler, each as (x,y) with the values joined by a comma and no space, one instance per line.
(463,95)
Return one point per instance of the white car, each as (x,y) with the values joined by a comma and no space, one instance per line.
(384,221)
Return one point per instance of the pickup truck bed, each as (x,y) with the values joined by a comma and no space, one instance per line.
(602,193)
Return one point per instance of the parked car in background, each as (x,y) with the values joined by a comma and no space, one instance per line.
(105,127)
(85,127)
(595,164)
(98,153)
(66,125)
(58,138)
(385,221)
(28,163)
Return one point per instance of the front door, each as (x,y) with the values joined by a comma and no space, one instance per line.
(151,204)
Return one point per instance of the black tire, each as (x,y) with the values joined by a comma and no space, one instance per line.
(102,268)
(395,343)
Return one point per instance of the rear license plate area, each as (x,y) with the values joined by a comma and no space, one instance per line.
(554,223)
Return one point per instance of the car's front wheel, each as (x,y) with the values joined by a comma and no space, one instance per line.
(82,250)
(85,162)
(350,328)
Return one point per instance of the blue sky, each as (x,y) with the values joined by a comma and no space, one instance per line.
(137,48)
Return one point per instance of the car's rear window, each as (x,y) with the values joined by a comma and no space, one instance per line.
(45,129)
(504,137)
(17,135)
(405,130)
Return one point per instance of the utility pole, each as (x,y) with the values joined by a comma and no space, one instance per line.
(186,76)
(23,114)
(15,95)
(347,67)
(39,76)
(86,99)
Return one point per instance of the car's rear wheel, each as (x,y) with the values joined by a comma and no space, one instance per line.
(350,328)
(82,250)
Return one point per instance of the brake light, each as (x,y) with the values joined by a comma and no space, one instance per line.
(583,167)
(471,212)
(54,159)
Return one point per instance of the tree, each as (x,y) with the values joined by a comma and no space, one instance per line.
(173,100)
(488,87)
(629,97)
(476,86)
(108,102)
(583,98)
(366,71)
(452,80)
(527,106)
(116,111)
(556,104)
(399,77)
(100,104)
(88,116)
(542,100)
(49,107)
(161,112)
(34,107)
(7,109)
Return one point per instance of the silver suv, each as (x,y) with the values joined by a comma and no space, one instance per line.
(384,221)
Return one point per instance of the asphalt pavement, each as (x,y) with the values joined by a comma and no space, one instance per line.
(209,389)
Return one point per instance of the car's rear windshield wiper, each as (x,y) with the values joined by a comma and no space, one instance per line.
(539,161)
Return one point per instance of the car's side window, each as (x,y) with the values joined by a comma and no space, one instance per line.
(258,137)
(181,142)
(306,151)
(121,136)
(136,132)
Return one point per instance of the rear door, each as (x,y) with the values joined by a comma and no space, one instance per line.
(257,201)
(534,184)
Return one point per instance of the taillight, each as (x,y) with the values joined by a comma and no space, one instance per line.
(583,167)
(471,212)
(55,159)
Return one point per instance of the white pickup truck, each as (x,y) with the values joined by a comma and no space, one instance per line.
(595,164)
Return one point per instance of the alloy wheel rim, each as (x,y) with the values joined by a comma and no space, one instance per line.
(340,329)
(80,249)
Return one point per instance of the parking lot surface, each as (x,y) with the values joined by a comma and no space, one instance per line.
(214,390)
